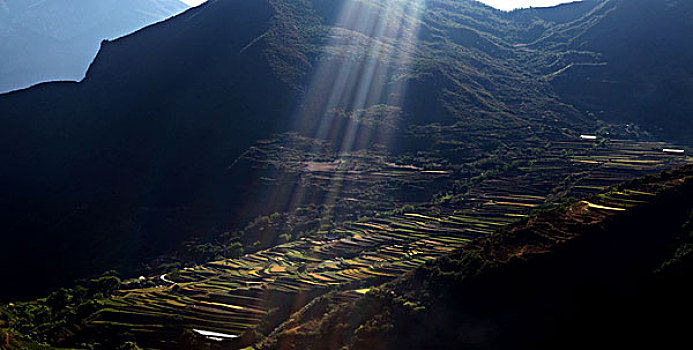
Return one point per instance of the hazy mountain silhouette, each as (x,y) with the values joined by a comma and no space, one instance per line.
(56,40)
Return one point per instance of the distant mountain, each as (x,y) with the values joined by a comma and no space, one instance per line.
(55,40)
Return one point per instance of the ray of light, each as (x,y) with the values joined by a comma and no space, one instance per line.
(370,47)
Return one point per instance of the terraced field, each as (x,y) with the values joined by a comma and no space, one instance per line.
(233,297)
(436,298)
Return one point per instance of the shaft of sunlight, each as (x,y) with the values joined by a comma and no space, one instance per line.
(370,48)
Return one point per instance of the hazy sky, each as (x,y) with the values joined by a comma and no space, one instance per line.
(193,2)
(513,4)
(501,4)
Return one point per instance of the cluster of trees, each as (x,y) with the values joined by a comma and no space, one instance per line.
(60,314)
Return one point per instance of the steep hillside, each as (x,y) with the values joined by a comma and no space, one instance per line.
(52,40)
(596,271)
(91,169)
(642,73)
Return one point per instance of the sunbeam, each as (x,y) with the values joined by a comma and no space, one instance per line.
(359,82)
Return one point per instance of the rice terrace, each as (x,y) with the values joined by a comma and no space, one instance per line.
(237,297)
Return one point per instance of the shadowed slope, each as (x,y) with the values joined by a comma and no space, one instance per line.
(642,73)
(159,117)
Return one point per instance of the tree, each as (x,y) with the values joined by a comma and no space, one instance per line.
(233,250)
(104,285)
(129,345)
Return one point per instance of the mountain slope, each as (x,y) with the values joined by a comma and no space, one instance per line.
(140,149)
(148,151)
(49,40)
(158,132)
(642,74)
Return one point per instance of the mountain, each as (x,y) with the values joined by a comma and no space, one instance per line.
(247,157)
(138,153)
(135,159)
(141,145)
(639,74)
(50,40)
